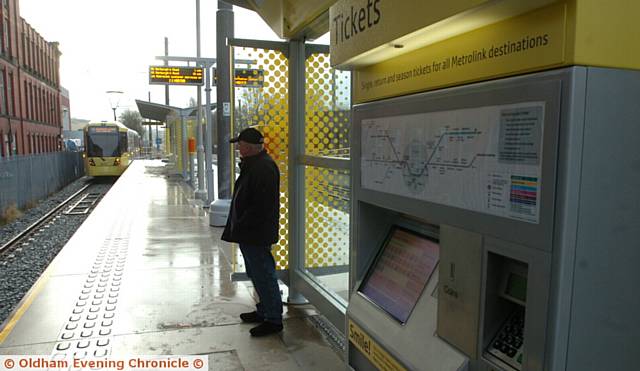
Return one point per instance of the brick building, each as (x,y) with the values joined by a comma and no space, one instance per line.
(30,102)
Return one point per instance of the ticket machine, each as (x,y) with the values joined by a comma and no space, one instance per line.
(495,225)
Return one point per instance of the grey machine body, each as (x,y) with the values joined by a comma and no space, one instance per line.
(580,258)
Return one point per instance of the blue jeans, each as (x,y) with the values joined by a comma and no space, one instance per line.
(261,269)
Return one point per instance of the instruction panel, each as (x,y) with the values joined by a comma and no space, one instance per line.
(485,159)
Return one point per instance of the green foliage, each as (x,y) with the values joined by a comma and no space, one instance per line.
(132,120)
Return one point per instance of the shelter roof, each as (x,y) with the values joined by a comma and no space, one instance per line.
(159,112)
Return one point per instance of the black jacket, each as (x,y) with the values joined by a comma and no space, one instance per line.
(255,207)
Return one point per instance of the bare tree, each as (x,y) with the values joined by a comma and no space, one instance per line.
(249,104)
(132,120)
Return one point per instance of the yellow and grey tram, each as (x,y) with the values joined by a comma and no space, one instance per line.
(109,148)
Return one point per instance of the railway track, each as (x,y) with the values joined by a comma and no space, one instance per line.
(26,255)
(70,206)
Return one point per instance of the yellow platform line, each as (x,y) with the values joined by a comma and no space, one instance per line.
(26,303)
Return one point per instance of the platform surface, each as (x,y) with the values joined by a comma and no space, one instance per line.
(146,275)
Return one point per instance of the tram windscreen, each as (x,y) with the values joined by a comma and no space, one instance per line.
(103,142)
(400,272)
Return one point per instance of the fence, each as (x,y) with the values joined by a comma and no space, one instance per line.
(25,180)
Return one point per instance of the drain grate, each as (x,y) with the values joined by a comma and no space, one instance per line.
(335,338)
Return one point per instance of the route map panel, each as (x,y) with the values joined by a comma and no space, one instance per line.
(485,159)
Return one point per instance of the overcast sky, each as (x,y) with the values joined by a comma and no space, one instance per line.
(109,45)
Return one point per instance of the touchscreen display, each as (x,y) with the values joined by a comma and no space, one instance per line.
(400,273)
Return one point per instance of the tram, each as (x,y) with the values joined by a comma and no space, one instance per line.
(109,148)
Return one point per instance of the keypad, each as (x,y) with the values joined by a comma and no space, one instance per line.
(508,343)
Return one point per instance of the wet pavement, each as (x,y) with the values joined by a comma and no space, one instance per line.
(147,275)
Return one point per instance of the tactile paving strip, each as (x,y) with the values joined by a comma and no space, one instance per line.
(89,329)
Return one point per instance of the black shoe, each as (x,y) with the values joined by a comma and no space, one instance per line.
(265,328)
(251,317)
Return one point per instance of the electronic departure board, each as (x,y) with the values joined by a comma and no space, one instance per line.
(103,129)
(166,75)
(400,272)
(248,78)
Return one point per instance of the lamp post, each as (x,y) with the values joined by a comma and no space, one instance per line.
(114,100)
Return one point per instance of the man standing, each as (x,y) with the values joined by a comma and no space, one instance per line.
(253,223)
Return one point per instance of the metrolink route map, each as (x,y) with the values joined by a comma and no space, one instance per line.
(485,159)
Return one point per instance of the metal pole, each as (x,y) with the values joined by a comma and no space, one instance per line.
(114,114)
(150,134)
(184,151)
(224,31)
(201,193)
(207,140)
(174,145)
(296,171)
(166,63)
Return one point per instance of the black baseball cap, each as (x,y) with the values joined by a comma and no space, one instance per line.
(249,135)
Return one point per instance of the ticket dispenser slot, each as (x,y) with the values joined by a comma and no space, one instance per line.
(505,311)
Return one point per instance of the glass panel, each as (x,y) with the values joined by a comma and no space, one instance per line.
(328,101)
(327,204)
(103,145)
(266,108)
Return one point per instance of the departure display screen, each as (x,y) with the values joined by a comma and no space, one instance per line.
(400,272)
(103,129)
(248,78)
(164,75)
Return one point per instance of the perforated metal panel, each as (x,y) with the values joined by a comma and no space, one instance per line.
(327,217)
(327,200)
(267,109)
(327,105)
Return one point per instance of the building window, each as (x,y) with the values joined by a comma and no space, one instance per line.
(5,35)
(3,102)
(14,144)
(36,104)
(31,46)
(24,52)
(10,99)
(45,97)
(33,117)
(30,100)
(27,41)
(40,105)
(2,46)
(26,98)
(50,110)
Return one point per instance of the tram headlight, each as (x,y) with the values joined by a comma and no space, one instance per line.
(116,162)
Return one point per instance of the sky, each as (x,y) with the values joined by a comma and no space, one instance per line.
(109,46)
